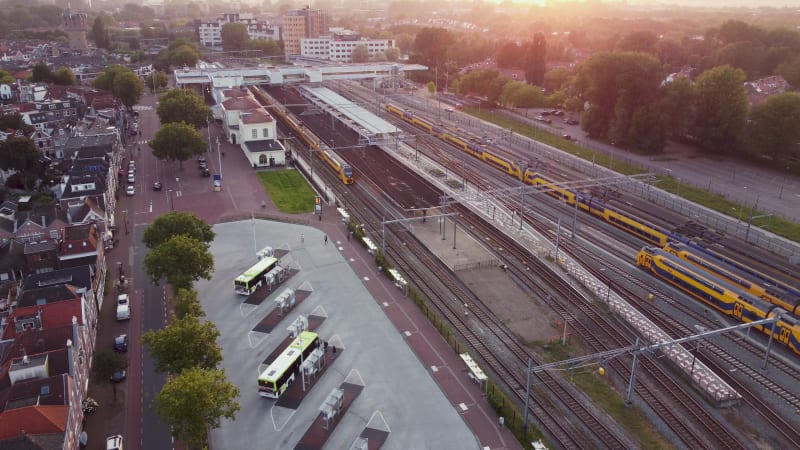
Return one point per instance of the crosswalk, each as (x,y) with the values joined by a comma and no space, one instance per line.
(142,107)
(140,142)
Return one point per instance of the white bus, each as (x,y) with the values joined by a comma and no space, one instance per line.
(274,381)
(253,278)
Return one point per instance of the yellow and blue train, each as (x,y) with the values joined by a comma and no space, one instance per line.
(644,230)
(343,170)
(720,295)
(639,227)
(773,292)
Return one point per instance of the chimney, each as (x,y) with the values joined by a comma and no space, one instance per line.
(44,224)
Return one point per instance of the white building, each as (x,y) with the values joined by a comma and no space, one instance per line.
(339,45)
(210,33)
(248,124)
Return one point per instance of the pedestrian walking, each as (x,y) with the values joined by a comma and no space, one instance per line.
(326,239)
(349,234)
(302,238)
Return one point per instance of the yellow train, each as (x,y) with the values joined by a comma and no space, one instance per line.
(720,295)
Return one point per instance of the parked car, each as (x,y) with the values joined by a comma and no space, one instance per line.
(114,443)
(543,119)
(121,343)
(157,186)
(570,121)
(544,113)
(130,190)
(118,376)
(567,137)
(201,158)
(123,307)
(206,172)
(131,178)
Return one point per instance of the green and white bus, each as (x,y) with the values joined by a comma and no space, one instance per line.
(274,381)
(252,278)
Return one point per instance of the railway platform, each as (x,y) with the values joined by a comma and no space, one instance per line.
(444,365)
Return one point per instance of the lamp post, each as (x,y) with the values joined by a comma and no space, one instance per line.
(700,329)
(125,219)
(219,157)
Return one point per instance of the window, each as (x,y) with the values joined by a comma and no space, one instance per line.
(254,133)
(266,132)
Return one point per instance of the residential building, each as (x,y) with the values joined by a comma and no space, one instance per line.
(303,23)
(339,45)
(210,33)
(759,90)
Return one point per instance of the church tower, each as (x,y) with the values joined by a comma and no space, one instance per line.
(75,24)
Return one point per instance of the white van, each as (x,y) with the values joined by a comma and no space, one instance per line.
(123,307)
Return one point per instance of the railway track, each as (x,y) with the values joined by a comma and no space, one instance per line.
(722,357)
(434,282)
(683,414)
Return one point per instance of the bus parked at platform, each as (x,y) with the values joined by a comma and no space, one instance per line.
(254,277)
(274,381)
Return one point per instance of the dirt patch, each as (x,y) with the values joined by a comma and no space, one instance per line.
(521,313)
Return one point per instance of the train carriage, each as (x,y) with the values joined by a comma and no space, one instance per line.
(720,295)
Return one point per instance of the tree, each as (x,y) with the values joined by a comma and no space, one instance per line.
(772,130)
(392,54)
(721,108)
(156,80)
(13,122)
(6,77)
(105,80)
(535,59)
(431,46)
(183,105)
(234,36)
(184,55)
(638,41)
(790,71)
(101,39)
(360,54)
(106,364)
(184,344)
(21,154)
(267,47)
(509,56)
(174,223)
(677,107)
(63,76)
(128,88)
(195,401)
(616,85)
(177,141)
(186,303)
(181,260)
(41,73)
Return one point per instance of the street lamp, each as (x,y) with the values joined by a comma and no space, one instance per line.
(125,219)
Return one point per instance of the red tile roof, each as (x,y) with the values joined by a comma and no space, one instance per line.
(54,315)
(255,116)
(33,420)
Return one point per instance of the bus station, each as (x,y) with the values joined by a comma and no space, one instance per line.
(371,393)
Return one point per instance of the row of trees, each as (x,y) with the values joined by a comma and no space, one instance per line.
(182,113)
(62,76)
(179,53)
(197,394)
(624,99)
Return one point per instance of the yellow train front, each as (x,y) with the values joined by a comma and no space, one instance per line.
(343,170)
(720,295)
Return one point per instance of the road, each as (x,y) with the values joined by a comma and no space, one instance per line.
(184,189)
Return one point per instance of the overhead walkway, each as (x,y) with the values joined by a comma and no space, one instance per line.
(206,76)
(372,129)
